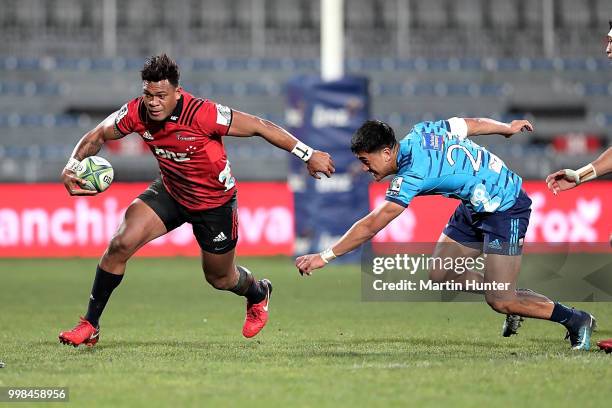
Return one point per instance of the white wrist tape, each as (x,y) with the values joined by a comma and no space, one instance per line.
(583,174)
(328,255)
(304,152)
(72,165)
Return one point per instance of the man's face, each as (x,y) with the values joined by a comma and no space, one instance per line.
(160,98)
(379,164)
(609,46)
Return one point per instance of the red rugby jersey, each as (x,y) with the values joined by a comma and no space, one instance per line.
(188,147)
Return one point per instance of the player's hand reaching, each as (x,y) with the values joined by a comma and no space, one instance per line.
(75,185)
(517,126)
(560,181)
(307,263)
(320,162)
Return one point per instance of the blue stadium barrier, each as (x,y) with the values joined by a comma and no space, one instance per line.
(596,89)
(43,152)
(14,120)
(312,64)
(28,88)
(542,64)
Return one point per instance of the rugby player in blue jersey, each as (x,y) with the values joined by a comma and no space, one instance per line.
(439,158)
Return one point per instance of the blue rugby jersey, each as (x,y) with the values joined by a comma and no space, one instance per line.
(438,158)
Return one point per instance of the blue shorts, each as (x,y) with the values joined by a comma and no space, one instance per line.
(493,233)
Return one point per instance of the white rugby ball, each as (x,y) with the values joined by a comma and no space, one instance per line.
(97,173)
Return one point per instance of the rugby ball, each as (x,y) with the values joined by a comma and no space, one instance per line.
(97,173)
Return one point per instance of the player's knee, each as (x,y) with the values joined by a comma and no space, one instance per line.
(221,282)
(499,304)
(121,247)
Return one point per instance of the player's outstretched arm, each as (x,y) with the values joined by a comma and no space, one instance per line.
(567,178)
(362,231)
(89,145)
(486,126)
(245,125)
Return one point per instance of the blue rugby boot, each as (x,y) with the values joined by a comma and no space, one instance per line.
(579,331)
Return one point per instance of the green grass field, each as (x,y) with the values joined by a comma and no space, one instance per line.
(169,339)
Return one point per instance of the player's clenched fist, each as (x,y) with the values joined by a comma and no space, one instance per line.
(307,263)
(320,162)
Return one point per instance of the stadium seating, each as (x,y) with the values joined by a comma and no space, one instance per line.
(49,102)
(475,57)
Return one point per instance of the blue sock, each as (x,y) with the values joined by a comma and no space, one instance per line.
(562,314)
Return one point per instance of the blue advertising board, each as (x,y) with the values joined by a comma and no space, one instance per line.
(324,115)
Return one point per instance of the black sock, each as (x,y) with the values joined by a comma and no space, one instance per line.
(248,287)
(103,286)
(562,314)
(256,292)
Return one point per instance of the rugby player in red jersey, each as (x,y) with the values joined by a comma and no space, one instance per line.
(196,186)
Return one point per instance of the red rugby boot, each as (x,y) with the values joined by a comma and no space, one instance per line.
(605,345)
(83,333)
(257,313)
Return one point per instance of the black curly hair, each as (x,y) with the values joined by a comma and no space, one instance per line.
(160,67)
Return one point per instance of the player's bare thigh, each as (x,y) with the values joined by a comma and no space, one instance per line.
(504,271)
(220,269)
(140,225)
(447,247)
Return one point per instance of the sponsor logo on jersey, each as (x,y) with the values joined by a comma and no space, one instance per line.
(395,186)
(224,115)
(147,135)
(173,117)
(431,141)
(167,154)
(185,138)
